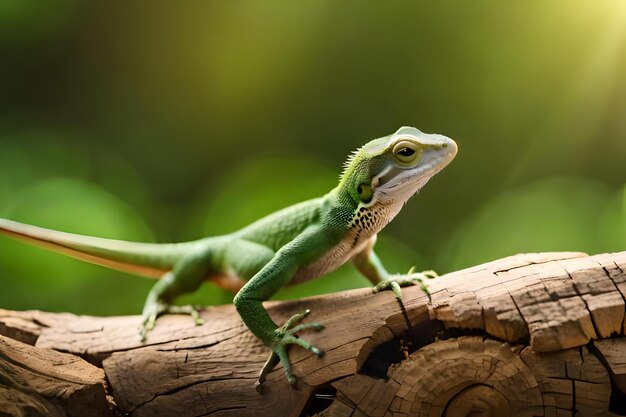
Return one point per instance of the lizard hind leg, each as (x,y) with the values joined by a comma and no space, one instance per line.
(183,279)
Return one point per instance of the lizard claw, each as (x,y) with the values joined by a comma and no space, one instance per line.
(284,336)
(154,311)
(411,278)
(147,324)
(193,311)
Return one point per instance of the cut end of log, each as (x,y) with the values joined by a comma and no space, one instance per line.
(529,335)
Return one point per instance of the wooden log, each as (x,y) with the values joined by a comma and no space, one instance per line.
(528,335)
(45,382)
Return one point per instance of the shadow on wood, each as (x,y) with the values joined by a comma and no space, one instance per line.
(528,335)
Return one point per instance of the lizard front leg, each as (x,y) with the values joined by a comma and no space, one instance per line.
(368,263)
(274,275)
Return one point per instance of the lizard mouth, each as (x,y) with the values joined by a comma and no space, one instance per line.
(401,180)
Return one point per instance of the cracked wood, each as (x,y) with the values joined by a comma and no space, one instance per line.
(531,311)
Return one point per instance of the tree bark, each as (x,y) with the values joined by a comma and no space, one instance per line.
(528,335)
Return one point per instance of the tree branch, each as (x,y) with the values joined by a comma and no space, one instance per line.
(532,334)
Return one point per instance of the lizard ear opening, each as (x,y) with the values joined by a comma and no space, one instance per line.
(365,192)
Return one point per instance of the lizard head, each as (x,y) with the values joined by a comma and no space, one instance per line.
(391,169)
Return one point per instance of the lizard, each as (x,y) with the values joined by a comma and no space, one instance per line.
(295,244)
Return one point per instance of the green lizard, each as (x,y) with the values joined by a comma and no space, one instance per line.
(298,243)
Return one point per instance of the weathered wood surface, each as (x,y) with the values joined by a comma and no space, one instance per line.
(45,382)
(529,335)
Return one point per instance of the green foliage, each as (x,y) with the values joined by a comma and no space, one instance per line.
(556,214)
(22,21)
(148,121)
(35,278)
(612,223)
(267,183)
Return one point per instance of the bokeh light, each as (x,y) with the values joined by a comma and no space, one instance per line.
(157,121)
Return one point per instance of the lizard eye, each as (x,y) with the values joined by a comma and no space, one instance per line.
(406,151)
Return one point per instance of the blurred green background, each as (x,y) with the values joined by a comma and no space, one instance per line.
(168,121)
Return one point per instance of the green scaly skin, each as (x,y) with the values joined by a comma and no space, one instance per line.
(293,245)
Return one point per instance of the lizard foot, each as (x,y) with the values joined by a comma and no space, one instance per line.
(284,336)
(151,313)
(411,278)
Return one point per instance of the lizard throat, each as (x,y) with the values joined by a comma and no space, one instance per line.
(369,220)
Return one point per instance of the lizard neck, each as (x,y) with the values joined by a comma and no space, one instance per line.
(339,208)
(359,220)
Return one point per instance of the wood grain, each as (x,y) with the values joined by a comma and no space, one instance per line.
(528,335)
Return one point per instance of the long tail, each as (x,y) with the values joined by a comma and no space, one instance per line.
(148,259)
